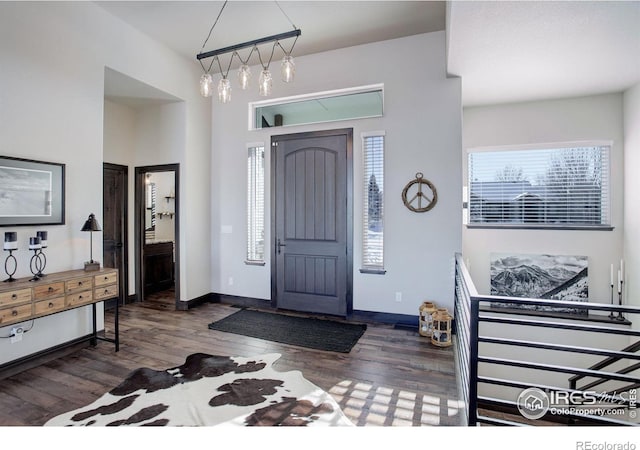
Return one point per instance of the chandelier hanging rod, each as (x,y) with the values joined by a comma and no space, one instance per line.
(276,37)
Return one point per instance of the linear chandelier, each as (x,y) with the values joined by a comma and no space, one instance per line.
(265,80)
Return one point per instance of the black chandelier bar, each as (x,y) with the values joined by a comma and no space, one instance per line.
(276,37)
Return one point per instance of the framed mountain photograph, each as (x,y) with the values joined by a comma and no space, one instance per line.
(549,277)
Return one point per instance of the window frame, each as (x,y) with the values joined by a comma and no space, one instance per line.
(606,172)
(252,242)
(367,267)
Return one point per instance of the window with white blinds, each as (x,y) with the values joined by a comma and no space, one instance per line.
(255,204)
(373,202)
(560,187)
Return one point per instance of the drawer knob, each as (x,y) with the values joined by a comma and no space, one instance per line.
(50,289)
(14,295)
(80,283)
(50,305)
(106,278)
(14,313)
(80,296)
(106,291)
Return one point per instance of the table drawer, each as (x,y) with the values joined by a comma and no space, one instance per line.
(49,306)
(48,290)
(106,292)
(15,314)
(15,297)
(79,298)
(104,279)
(79,284)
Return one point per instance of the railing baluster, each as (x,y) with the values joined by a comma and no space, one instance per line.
(473,362)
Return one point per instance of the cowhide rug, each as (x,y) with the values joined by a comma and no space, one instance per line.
(212,390)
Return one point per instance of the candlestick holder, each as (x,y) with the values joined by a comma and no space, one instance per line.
(620,317)
(41,256)
(611,314)
(36,263)
(42,263)
(6,266)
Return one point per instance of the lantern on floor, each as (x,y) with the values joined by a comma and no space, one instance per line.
(441,335)
(425,325)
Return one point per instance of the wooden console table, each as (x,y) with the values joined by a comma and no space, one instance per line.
(23,300)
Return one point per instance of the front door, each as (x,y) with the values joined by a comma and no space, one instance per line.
(312,222)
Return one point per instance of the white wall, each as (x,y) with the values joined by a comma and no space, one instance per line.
(632,195)
(569,120)
(422,122)
(51,108)
(119,133)
(143,135)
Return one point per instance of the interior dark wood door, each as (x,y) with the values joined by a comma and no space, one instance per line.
(114,226)
(311,248)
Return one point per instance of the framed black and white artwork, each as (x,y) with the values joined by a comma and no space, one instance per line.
(540,276)
(31,192)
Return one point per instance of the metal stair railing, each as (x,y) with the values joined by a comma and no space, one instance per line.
(472,358)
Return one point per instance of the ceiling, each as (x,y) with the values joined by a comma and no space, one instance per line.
(326,25)
(521,51)
(504,51)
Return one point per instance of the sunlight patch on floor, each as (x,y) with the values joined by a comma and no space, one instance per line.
(369,405)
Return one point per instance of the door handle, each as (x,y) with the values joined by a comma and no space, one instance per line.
(280,245)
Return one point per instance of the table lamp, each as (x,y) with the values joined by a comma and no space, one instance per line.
(91,225)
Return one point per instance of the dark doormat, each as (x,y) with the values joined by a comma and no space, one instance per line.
(319,334)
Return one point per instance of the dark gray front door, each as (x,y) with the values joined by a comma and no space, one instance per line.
(311,222)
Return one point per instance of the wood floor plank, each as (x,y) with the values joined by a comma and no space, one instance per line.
(391,377)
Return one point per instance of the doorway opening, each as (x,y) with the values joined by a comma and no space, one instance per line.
(115,242)
(157,242)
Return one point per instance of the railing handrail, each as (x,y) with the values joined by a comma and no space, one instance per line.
(564,348)
(554,368)
(564,326)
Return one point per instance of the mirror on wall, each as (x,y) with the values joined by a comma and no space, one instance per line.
(159,200)
(150,208)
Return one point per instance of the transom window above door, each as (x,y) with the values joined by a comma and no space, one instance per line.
(329,106)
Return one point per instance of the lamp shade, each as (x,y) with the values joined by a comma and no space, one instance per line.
(91,224)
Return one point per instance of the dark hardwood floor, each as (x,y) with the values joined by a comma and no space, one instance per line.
(392,377)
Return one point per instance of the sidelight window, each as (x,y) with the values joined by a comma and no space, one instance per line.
(255,204)
(373,203)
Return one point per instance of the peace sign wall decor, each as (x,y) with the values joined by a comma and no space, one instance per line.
(425,197)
